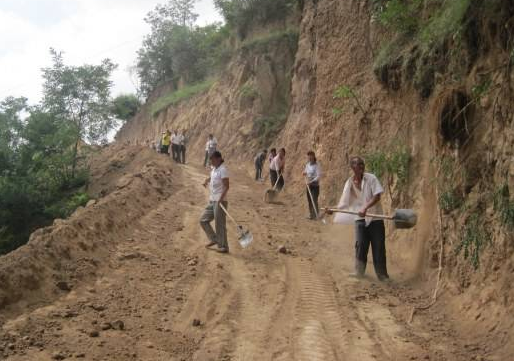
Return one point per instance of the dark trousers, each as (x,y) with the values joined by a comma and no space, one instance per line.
(165,149)
(175,152)
(258,171)
(373,234)
(182,154)
(273,176)
(313,208)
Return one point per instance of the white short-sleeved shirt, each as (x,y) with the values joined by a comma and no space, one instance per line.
(354,200)
(313,172)
(174,139)
(277,164)
(216,184)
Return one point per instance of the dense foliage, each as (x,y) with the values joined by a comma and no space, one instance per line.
(41,170)
(176,50)
(125,106)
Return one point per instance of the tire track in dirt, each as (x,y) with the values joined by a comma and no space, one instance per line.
(319,324)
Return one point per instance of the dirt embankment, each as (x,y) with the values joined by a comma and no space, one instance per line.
(70,251)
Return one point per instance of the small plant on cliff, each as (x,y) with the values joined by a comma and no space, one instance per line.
(449,198)
(176,97)
(267,127)
(248,91)
(399,15)
(390,165)
(344,92)
(504,206)
(475,238)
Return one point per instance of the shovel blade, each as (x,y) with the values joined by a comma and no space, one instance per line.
(270,195)
(245,238)
(405,218)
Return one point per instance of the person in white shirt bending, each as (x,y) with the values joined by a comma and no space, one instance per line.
(218,186)
(210,147)
(312,174)
(276,171)
(362,193)
(175,146)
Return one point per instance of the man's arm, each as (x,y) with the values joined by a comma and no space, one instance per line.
(226,186)
(206,182)
(371,203)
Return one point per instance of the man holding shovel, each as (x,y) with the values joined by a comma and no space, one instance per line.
(362,193)
(218,188)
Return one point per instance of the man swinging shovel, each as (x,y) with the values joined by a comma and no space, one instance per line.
(361,194)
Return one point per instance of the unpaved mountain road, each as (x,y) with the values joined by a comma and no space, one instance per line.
(163,296)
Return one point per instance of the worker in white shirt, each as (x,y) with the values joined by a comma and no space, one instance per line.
(181,147)
(312,174)
(175,146)
(362,193)
(277,167)
(210,147)
(218,188)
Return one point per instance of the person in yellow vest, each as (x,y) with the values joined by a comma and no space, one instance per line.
(165,144)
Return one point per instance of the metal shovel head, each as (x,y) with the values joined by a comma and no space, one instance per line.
(245,237)
(405,218)
(271,195)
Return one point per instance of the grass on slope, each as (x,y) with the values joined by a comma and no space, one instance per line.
(177,96)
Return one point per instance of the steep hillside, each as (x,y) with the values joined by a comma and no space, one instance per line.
(450,109)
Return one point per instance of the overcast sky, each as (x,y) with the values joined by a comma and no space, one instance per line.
(85,30)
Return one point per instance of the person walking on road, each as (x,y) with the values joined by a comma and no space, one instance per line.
(181,138)
(259,163)
(210,147)
(362,193)
(276,172)
(175,146)
(165,142)
(219,185)
(312,174)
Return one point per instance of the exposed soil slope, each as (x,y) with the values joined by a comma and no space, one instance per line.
(155,293)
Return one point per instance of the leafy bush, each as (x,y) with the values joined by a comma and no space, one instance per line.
(241,15)
(345,92)
(248,91)
(474,239)
(125,106)
(449,200)
(261,43)
(177,96)
(394,163)
(266,128)
(400,15)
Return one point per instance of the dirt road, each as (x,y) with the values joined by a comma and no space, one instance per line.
(162,296)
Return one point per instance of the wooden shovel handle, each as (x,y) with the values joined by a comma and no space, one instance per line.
(381,216)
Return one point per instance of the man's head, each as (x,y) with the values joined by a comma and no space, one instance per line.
(216,159)
(265,151)
(282,152)
(168,132)
(273,151)
(312,156)
(210,136)
(357,165)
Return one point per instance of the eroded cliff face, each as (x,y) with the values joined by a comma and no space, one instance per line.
(338,42)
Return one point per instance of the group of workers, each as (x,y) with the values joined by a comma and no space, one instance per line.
(361,194)
(177,141)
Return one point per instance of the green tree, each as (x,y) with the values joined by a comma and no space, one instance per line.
(80,95)
(125,106)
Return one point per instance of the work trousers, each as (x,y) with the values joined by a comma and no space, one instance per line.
(175,152)
(165,149)
(214,212)
(182,154)
(258,171)
(313,208)
(273,175)
(373,234)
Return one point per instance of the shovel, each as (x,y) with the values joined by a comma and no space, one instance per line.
(402,218)
(271,194)
(245,237)
(312,202)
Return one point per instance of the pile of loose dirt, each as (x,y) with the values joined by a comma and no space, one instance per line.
(58,257)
